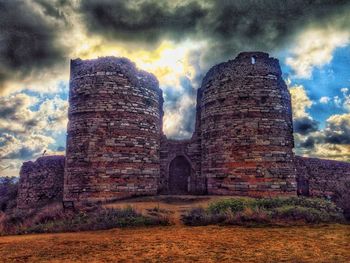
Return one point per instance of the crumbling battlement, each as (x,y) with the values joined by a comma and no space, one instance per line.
(41,182)
(246,128)
(115,124)
(319,177)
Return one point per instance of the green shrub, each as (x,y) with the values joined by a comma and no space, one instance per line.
(247,211)
(233,205)
(268,203)
(201,217)
(299,213)
(316,203)
(250,216)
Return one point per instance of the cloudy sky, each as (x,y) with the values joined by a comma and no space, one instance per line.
(178,41)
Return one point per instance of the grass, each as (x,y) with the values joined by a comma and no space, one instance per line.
(52,219)
(249,211)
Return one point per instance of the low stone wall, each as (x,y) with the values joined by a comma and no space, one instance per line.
(320,178)
(41,182)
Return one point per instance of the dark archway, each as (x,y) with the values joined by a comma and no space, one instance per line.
(179,172)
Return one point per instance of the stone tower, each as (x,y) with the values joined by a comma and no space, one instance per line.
(114,130)
(245,121)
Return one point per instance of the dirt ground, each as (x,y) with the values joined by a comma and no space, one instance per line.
(178,243)
(170,206)
(184,244)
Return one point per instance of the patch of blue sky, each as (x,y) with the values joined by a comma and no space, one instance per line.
(326,81)
(60,140)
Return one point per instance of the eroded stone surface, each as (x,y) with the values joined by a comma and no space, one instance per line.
(41,182)
(114,131)
(320,178)
(246,128)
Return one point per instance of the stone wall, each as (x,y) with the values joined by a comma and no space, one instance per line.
(173,153)
(320,178)
(41,182)
(242,143)
(114,130)
(246,128)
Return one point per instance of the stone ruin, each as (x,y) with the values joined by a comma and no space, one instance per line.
(320,178)
(41,182)
(242,143)
(114,131)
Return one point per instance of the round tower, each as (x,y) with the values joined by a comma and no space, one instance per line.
(246,128)
(114,129)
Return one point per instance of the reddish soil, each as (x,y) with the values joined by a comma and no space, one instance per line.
(184,244)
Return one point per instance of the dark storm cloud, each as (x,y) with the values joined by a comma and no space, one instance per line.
(145,21)
(230,26)
(7,111)
(27,41)
(54,8)
(309,143)
(305,125)
(335,133)
(338,138)
(338,133)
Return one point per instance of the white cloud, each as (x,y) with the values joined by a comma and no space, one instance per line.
(331,151)
(300,101)
(346,103)
(314,48)
(27,126)
(337,101)
(344,90)
(324,100)
(178,116)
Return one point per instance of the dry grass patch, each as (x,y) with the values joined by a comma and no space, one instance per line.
(184,244)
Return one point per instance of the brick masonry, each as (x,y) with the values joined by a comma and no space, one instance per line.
(246,128)
(41,182)
(242,143)
(172,151)
(114,131)
(320,178)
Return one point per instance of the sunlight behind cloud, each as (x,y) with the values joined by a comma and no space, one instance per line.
(170,62)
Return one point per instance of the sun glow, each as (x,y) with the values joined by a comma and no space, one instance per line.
(168,61)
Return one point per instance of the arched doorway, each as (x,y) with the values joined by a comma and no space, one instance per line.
(179,172)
